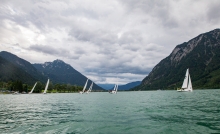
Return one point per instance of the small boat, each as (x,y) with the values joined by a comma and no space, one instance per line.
(187,84)
(46,87)
(114,91)
(33,88)
(15,93)
(81,92)
(90,89)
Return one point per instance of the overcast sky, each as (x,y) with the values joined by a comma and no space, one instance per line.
(103,39)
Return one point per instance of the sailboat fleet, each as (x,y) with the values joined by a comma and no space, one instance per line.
(186,86)
(45,90)
(81,92)
(90,89)
(84,88)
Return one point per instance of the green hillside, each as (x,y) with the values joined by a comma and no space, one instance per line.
(201,55)
(10,72)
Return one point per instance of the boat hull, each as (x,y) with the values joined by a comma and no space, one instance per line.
(182,90)
(113,92)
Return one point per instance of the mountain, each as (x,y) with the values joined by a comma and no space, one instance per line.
(200,54)
(129,85)
(15,68)
(24,65)
(106,86)
(60,72)
(10,72)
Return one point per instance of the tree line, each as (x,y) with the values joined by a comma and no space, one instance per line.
(52,88)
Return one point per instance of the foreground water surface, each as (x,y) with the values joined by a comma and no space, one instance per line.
(103,113)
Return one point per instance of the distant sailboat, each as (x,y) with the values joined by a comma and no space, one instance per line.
(81,92)
(45,90)
(90,88)
(33,88)
(114,91)
(16,93)
(187,84)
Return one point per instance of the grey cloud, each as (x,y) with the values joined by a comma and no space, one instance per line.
(213,14)
(105,39)
(96,36)
(145,5)
(80,11)
(155,9)
(130,37)
(48,50)
(118,68)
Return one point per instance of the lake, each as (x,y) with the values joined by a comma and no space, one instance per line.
(138,112)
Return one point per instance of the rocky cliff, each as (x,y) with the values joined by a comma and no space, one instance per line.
(200,54)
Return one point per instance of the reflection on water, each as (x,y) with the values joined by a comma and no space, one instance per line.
(125,112)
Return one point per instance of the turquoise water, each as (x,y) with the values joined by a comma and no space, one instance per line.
(103,113)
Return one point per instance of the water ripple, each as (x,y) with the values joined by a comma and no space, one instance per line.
(127,112)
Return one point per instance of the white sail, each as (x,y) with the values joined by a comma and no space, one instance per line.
(81,92)
(185,82)
(90,88)
(114,91)
(189,84)
(85,85)
(33,88)
(45,90)
(115,87)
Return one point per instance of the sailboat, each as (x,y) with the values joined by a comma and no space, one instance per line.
(90,88)
(81,92)
(45,90)
(187,84)
(114,91)
(33,88)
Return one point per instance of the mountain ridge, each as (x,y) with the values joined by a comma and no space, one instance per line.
(10,72)
(60,72)
(23,64)
(129,85)
(200,54)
